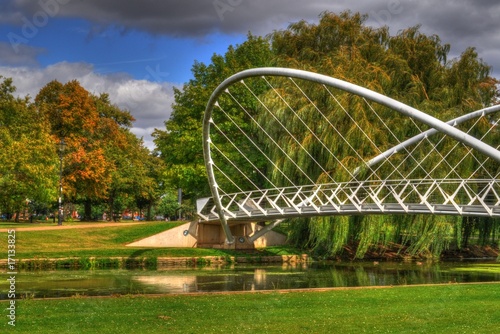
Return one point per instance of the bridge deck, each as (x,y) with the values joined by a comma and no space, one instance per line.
(350,209)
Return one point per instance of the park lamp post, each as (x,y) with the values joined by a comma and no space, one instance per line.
(62,146)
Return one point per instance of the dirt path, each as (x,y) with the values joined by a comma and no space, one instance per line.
(67,227)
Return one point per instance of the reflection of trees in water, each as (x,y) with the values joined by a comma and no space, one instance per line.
(314,275)
(392,273)
(318,275)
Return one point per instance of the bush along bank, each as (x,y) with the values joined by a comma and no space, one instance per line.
(151,263)
(87,263)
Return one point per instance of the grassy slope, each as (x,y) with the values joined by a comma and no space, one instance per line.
(410,309)
(102,242)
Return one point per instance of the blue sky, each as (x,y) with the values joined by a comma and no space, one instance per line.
(112,50)
(137,51)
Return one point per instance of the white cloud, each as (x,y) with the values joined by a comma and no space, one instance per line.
(149,102)
(145,134)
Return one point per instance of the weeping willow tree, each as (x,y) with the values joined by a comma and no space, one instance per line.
(410,67)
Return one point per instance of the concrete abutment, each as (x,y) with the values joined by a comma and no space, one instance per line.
(210,235)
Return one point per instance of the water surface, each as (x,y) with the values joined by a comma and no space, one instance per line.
(64,283)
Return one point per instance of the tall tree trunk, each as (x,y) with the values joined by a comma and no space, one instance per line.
(467,229)
(111,204)
(87,215)
(148,214)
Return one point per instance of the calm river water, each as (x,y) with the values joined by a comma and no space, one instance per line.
(64,283)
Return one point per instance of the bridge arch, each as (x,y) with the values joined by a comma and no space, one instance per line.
(365,191)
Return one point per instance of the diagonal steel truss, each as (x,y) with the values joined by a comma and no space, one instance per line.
(449,197)
(370,189)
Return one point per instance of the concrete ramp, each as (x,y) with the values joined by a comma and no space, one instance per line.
(204,235)
(179,236)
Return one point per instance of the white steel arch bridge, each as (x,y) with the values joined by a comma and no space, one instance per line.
(282,143)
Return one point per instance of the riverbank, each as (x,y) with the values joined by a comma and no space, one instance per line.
(152,263)
(80,244)
(396,252)
(163,263)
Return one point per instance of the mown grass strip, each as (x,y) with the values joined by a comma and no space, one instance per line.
(411,309)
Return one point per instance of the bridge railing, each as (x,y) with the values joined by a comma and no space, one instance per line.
(451,197)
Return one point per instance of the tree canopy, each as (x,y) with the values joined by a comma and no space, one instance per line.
(28,162)
(179,145)
(410,66)
(102,163)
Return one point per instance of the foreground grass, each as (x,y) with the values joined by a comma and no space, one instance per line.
(106,242)
(409,309)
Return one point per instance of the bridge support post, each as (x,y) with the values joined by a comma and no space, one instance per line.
(211,235)
(227,232)
(264,230)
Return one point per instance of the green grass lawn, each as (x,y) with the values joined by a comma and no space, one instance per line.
(106,242)
(405,309)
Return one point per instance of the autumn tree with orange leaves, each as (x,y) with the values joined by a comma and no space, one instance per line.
(99,144)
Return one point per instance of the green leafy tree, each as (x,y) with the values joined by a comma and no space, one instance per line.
(168,204)
(28,160)
(180,145)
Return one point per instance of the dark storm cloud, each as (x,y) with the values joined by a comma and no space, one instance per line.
(196,18)
(459,19)
(26,55)
(461,23)
(181,18)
